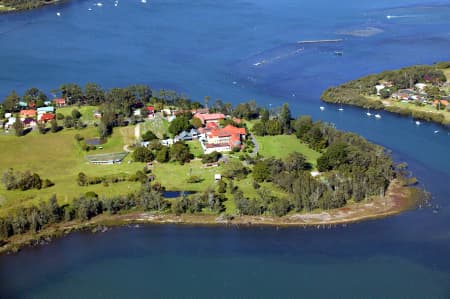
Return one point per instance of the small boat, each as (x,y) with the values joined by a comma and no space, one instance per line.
(341,109)
(417,123)
(368,114)
(338,53)
(322,108)
(58,14)
(143,1)
(99,4)
(377,115)
(89,9)
(436,131)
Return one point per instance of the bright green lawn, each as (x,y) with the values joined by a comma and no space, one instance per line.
(174,176)
(58,157)
(281,145)
(87,112)
(158,125)
(195,148)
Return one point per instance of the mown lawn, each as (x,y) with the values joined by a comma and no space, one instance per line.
(58,157)
(87,112)
(158,125)
(174,176)
(195,148)
(281,145)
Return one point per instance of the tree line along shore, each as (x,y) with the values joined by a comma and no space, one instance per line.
(18,5)
(421,92)
(246,161)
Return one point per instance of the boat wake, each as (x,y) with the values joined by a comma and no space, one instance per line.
(320,41)
(398,17)
(278,57)
(288,50)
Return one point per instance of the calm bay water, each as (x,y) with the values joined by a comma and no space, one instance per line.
(239,50)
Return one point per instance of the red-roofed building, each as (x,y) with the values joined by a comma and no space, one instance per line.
(211,125)
(28,113)
(46,117)
(59,102)
(200,111)
(224,139)
(150,110)
(208,118)
(443,102)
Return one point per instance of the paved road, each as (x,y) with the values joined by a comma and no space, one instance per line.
(256,149)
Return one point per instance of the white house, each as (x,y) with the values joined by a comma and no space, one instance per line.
(379,87)
(420,86)
(137,112)
(167,142)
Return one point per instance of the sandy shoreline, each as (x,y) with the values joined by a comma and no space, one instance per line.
(397,200)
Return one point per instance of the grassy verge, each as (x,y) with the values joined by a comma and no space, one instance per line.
(58,157)
(280,146)
(87,112)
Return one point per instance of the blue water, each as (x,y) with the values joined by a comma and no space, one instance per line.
(236,51)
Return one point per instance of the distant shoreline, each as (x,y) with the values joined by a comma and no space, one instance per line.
(398,199)
(20,8)
(406,99)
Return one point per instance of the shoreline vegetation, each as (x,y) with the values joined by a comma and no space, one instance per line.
(420,92)
(21,5)
(398,199)
(120,150)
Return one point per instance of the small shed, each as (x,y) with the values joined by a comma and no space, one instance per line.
(217,177)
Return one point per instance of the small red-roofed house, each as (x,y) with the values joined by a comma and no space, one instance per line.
(443,102)
(208,118)
(46,117)
(59,102)
(28,113)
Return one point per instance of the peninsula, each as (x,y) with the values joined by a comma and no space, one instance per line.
(421,91)
(93,157)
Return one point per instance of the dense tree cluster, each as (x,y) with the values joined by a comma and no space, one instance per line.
(178,152)
(352,168)
(209,200)
(16,180)
(280,122)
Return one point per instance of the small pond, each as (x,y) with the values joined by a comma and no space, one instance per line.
(95,141)
(175,194)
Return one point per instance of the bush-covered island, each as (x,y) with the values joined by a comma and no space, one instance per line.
(91,157)
(420,91)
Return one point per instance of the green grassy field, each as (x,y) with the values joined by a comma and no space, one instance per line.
(280,146)
(58,157)
(158,125)
(195,148)
(87,112)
